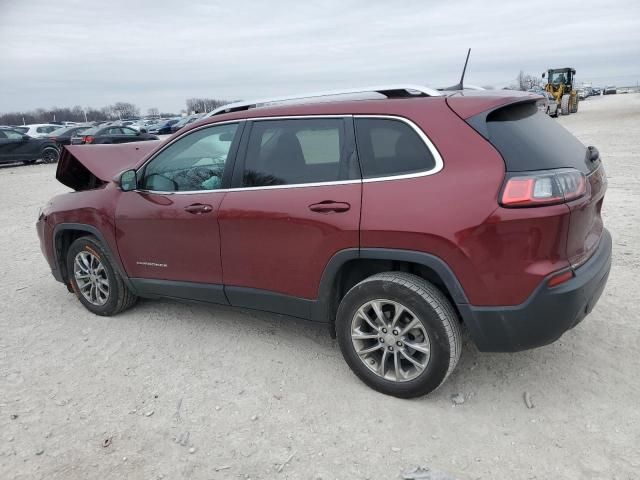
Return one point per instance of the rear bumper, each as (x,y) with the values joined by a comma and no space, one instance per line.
(546,314)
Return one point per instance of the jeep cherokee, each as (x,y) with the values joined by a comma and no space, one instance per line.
(395,220)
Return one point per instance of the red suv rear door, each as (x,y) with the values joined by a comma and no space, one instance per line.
(296,202)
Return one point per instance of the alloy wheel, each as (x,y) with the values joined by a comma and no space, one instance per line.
(390,340)
(91,278)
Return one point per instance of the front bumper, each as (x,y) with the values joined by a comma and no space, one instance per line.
(546,314)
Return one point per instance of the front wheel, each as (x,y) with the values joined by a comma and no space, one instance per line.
(564,104)
(50,154)
(95,281)
(399,334)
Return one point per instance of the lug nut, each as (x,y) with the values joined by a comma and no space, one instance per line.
(390,348)
(395,332)
(381,340)
(384,330)
(399,344)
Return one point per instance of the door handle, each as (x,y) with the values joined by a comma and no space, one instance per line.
(198,208)
(328,206)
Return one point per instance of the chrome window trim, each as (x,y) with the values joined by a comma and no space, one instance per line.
(439,164)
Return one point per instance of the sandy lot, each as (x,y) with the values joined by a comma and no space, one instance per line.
(170,390)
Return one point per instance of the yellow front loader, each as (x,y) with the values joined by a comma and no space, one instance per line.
(560,85)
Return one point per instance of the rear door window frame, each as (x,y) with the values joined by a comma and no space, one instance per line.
(237,182)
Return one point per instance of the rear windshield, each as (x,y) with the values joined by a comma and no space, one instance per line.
(528,139)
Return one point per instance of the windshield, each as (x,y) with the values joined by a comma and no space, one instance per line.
(558,77)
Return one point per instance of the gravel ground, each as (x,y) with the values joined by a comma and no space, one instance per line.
(171,390)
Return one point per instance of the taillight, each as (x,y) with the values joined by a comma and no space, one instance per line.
(88,139)
(546,187)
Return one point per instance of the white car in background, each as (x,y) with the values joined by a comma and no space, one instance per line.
(37,130)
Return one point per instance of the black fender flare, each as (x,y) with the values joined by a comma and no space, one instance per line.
(83,227)
(321,310)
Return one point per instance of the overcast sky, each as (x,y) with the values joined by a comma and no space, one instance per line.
(158,53)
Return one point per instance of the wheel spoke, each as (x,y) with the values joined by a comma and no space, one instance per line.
(399,311)
(379,313)
(366,351)
(416,363)
(366,318)
(419,347)
(383,363)
(364,336)
(396,364)
(412,324)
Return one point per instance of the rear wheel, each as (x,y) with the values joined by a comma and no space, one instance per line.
(564,104)
(50,154)
(94,279)
(399,334)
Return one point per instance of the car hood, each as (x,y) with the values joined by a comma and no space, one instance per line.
(83,167)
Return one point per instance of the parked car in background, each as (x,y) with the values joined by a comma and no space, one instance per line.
(111,134)
(610,90)
(19,147)
(184,122)
(547,104)
(163,128)
(62,136)
(396,221)
(38,130)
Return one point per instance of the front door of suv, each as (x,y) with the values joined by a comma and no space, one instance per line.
(167,230)
(295,202)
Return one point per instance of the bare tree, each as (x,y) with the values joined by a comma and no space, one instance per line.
(526,82)
(200,105)
(153,112)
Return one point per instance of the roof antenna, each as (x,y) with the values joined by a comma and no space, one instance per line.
(460,85)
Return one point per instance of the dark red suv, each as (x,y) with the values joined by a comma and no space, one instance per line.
(395,220)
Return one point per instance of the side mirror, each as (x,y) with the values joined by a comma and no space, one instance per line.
(128,181)
(143,130)
(543,74)
(25,138)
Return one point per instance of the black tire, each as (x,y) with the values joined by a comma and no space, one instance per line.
(433,311)
(574,107)
(119,298)
(50,154)
(564,104)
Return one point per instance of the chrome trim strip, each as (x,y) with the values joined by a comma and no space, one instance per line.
(431,92)
(439,164)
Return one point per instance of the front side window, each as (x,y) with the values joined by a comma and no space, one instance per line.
(286,152)
(388,147)
(195,162)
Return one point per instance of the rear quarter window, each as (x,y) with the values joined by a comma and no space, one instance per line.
(528,139)
(388,147)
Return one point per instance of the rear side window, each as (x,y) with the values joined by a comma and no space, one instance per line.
(286,152)
(389,147)
(529,140)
